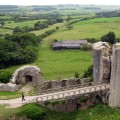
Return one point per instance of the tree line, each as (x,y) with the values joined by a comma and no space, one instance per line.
(115,13)
(18,49)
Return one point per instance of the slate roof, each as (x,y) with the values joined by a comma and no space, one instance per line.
(70,43)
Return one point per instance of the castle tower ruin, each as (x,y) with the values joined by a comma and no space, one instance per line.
(101,62)
(114,99)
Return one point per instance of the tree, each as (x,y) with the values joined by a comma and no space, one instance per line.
(17,30)
(68,18)
(109,37)
(69,27)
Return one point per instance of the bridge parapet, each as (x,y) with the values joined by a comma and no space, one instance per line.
(73,92)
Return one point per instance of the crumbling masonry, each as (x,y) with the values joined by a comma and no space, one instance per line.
(106,69)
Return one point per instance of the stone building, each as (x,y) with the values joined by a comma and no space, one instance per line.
(69,44)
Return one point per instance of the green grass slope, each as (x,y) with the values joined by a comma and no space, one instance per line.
(94,28)
(98,112)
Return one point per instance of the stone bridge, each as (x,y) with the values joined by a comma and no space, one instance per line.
(70,93)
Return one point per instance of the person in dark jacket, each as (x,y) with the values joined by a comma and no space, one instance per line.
(23,97)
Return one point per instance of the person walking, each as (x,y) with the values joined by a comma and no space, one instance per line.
(23,97)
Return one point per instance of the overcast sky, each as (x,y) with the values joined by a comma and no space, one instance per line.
(54,2)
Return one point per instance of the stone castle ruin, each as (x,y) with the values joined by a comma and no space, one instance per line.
(101,62)
(106,67)
(106,70)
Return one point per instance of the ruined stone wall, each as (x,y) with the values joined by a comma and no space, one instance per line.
(65,83)
(9,87)
(114,99)
(101,62)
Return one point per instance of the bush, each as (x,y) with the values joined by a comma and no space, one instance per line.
(55,40)
(77,75)
(63,101)
(89,73)
(86,47)
(109,37)
(5,76)
(92,40)
(32,112)
(54,102)
(83,99)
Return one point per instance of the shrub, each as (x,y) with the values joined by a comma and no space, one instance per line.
(5,76)
(77,75)
(83,99)
(47,103)
(55,40)
(54,102)
(92,40)
(32,112)
(87,47)
(89,73)
(63,102)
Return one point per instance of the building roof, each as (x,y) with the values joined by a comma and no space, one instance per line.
(70,43)
(74,41)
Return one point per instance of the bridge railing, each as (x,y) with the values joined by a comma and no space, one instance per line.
(74,92)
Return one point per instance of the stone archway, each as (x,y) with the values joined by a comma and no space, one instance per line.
(27,74)
(28,78)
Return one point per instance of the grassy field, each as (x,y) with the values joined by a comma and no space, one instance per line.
(94,28)
(39,32)
(62,64)
(9,95)
(5,17)
(12,24)
(5,31)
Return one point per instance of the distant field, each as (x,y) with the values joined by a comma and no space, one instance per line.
(38,32)
(63,64)
(5,17)
(5,31)
(94,28)
(21,24)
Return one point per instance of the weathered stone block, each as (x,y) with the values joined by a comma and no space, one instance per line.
(9,87)
(114,99)
(101,62)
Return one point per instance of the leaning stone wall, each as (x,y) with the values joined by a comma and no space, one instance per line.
(114,99)
(101,62)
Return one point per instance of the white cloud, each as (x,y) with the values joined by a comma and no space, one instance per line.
(54,2)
